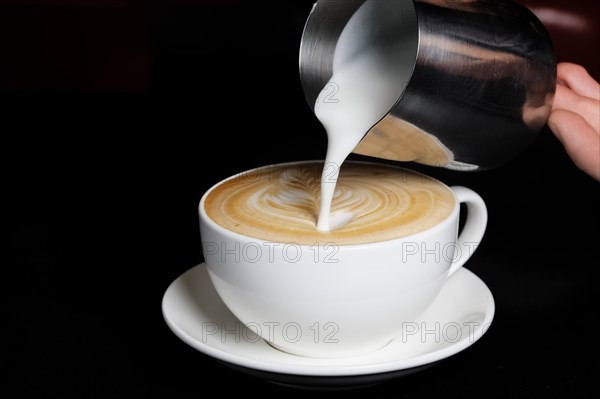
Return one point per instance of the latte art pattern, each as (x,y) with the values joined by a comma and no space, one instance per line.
(371,203)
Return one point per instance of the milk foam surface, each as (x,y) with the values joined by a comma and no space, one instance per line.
(371,203)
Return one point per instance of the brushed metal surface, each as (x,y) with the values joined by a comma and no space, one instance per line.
(483,81)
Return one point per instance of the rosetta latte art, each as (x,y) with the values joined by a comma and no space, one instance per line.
(371,203)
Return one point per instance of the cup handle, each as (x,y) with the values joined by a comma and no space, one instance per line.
(474,228)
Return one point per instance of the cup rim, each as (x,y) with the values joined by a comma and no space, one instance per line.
(246,238)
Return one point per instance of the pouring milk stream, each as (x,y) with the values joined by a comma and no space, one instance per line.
(363,88)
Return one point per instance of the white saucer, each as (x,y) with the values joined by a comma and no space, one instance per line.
(460,315)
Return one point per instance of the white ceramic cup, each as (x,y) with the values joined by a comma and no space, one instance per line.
(333,301)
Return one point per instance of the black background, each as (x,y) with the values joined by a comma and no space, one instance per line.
(103,187)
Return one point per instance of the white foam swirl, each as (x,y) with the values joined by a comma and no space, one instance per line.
(371,203)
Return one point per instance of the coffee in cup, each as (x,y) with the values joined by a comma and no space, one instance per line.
(343,292)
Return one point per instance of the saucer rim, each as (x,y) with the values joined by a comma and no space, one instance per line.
(338,370)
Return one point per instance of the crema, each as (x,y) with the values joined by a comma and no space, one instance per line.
(371,203)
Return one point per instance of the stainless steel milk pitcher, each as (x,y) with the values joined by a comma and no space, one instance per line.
(481,83)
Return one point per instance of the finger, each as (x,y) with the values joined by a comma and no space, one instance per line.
(578,79)
(581,142)
(589,109)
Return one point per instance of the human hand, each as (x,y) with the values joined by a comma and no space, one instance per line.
(575,117)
